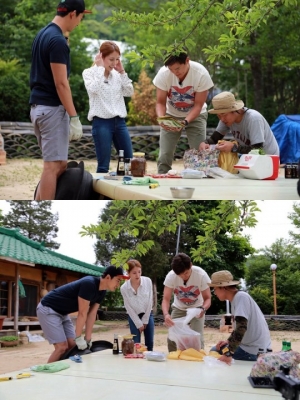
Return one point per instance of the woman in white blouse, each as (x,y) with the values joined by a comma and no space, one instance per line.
(138,299)
(107,84)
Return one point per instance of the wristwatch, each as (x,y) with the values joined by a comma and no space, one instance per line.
(234,148)
(225,351)
(186,122)
(203,308)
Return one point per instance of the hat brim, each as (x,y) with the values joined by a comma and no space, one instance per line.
(219,284)
(87,12)
(237,106)
(126,277)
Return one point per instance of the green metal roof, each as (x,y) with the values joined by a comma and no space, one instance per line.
(20,248)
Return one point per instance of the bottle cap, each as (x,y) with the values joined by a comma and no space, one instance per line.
(138,154)
(121,153)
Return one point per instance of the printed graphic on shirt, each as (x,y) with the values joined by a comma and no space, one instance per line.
(243,138)
(187,295)
(182,99)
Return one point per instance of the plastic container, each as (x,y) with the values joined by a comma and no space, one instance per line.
(138,165)
(127,166)
(155,356)
(252,166)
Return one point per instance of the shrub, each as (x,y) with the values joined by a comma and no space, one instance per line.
(8,338)
(142,105)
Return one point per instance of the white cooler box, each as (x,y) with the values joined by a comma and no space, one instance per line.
(254,166)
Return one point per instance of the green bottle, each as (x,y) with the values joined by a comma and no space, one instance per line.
(284,346)
(288,346)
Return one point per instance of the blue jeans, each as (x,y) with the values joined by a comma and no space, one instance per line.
(106,131)
(239,354)
(148,332)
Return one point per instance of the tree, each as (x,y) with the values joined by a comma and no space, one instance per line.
(258,276)
(295,218)
(239,42)
(20,22)
(235,20)
(35,220)
(147,230)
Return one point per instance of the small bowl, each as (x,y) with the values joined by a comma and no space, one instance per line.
(181,192)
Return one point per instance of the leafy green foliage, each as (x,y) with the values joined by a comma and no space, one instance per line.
(10,338)
(237,19)
(259,278)
(140,219)
(14,94)
(148,231)
(248,48)
(295,218)
(34,219)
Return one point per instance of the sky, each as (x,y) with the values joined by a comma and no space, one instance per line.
(272,224)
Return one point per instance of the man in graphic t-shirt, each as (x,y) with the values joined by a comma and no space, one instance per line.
(190,286)
(182,87)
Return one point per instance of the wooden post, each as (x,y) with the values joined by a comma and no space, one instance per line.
(16,318)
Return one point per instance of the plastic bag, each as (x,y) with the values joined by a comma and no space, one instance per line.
(191,313)
(227,161)
(269,364)
(201,160)
(217,173)
(184,336)
(155,356)
(189,173)
(215,363)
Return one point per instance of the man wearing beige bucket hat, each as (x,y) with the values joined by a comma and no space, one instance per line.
(251,333)
(248,127)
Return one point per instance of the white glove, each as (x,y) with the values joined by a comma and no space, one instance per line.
(81,343)
(89,343)
(75,129)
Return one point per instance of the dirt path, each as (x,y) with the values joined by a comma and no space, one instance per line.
(19,177)
(24,356)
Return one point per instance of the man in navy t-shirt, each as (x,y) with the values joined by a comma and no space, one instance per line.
(53,113)
(83,296)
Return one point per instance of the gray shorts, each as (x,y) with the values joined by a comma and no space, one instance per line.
(57,328)
(51,127)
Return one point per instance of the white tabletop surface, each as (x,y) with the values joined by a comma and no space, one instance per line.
(103,375)
(205,189)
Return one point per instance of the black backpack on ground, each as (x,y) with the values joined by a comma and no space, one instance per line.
(75,184)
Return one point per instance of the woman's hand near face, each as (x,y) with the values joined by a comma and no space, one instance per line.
(99,60)
(119,67)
